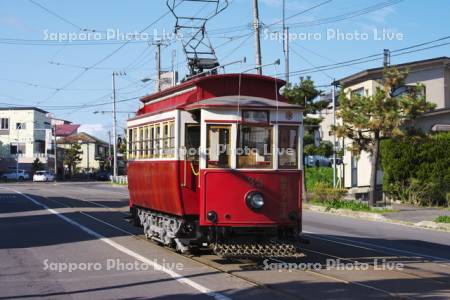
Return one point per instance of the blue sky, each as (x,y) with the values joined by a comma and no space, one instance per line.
(31,72)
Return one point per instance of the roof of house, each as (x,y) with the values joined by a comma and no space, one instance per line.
(24,108)
(66,129)
(83,137)
(376,73)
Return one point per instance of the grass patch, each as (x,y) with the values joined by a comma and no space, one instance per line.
(314,175)
(442,219)
(350,205)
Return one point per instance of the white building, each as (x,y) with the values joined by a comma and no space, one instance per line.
(25,134)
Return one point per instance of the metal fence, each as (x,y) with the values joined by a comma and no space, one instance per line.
(119,179)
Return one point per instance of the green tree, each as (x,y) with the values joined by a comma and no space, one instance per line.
(73,157)
(368,119)
(306,94)
(37,165)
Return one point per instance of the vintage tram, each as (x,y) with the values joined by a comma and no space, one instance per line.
(215,161)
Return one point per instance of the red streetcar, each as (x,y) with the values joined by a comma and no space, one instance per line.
(215,161)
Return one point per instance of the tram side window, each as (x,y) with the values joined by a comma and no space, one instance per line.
(165,139)
(287,147)
(135,143)
(141,142)
(254,147)
(145,142)
(130,143)
(172,139)
(157,140)
(151,131)
(218,145)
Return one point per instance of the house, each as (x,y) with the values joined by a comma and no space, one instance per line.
(94,151)
(434,74)
(25,134)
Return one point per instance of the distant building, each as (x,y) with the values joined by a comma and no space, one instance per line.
(434,74)
(94,151)
(25,134)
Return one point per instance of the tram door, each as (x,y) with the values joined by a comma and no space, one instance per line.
(192,143)
(218,143)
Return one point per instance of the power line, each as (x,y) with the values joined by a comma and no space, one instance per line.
(346,16)
(60,17)
(81,74)
(375,56)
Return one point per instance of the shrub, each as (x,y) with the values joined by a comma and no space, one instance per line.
(417,170)
(321,175)
(323,192)
(442,219)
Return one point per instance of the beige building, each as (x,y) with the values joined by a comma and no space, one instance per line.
(94,151)
(434,74)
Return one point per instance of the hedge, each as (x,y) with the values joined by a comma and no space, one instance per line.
(417,170)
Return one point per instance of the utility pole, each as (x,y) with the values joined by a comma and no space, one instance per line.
(285,44)
(109,146)
(333,95)
(387,58)
(256,26)
(158,65)
(56,151)
(114,126)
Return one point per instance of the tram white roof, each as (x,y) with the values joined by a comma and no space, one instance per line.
(242,101)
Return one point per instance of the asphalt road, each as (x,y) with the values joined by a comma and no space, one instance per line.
(70,241)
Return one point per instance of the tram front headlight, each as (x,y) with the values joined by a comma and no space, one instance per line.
(255,200)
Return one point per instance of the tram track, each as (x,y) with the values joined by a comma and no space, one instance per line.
(208,261)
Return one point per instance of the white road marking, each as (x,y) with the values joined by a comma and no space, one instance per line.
(366,246)
(129,252)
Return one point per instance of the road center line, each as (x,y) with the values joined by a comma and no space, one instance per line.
(129,252)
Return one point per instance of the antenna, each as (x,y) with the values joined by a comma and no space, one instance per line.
(190,26)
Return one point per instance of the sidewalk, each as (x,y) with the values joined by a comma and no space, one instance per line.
(421,217)
(413,214)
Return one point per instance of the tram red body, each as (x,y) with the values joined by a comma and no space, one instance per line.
(169,186)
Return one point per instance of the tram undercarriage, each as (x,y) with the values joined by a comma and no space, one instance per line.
(185,235)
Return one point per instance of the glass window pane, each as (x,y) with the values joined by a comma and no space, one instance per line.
(218,146)
(254,147)
(287,147)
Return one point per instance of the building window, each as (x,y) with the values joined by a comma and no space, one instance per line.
(17,148)
(287,145)
(4,123)
(254,147)
(359,92)
(20,126)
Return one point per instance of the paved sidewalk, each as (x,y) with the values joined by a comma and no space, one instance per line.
(409,213)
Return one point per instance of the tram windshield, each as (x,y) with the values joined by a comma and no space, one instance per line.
(254,147)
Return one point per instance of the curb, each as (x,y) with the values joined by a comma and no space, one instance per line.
(347,213)
(430,225)
(433,225)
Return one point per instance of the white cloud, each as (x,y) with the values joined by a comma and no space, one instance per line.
(92,129)
(380,16)
(15,23)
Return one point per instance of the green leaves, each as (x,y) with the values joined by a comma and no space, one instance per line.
(367,116)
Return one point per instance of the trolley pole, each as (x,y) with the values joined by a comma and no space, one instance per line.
(256,26)
(114,127)
(285,44)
